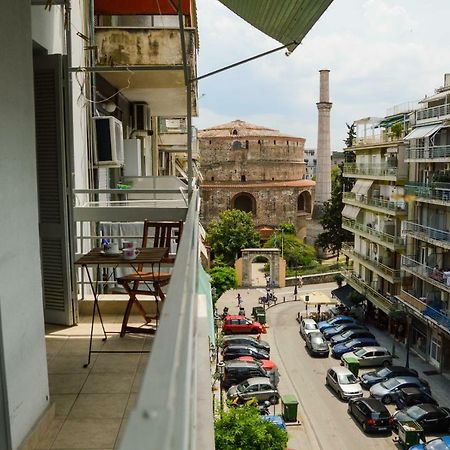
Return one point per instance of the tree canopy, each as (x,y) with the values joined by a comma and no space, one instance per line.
(222,279)
(334,235)
(244,429)
(233,232)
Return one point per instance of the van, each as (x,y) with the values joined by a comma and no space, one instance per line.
(237,371)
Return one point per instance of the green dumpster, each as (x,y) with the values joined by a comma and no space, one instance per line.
(352,364)
(410,433)
(259,314)
(289,405)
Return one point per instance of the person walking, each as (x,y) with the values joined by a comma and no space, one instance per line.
(239,300)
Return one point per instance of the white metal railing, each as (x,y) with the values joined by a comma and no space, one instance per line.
(403,108)
(434,112)
(389,205)
(432,152)
(378,138)
(419,230)
(387,238)
(377,170)
(165,417)
(433,191)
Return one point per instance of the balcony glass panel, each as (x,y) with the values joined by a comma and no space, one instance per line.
(389,205)
(379,170)
(432,191)
(436,111)
(432,152)
(417,230)
(388,238)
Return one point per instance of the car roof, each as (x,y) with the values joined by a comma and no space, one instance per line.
(230,337)
(309,321)
(236,316)
(258,380)
(231,347)
(428,407)
(240,363)
(373,404)
(340,370)
(407,379)
(373,348)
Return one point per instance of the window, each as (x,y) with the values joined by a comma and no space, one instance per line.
(246,144)
(274,142)
(236,145)
(243,178)
(234,133)
(212,178)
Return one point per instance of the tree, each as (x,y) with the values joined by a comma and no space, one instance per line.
(351,135)
(233,232)
(244,429)
(222,278)
(334,235)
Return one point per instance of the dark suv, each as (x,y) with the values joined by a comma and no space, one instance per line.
(235,351)
(237,371)
(243,339)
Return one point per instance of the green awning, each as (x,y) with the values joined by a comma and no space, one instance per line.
(388,122)
(284,20)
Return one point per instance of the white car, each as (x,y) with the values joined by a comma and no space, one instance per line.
(341,380)
(308,326)
(370,356)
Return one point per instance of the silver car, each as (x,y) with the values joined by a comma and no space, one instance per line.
(308,326)
(259,388)
(343,382)
(370,356)
(387,391)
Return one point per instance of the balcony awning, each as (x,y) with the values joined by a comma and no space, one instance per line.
(361,187)
(350,211)
(286,21)
(139,7)
(423,132)
(343,294)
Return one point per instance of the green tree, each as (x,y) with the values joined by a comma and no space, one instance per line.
(222,278)
(231,233)
(334,235)
(351,135)
(244,429)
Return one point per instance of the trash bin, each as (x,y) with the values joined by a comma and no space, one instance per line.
(410,433)
(352,364)
(259,314)
(289,405)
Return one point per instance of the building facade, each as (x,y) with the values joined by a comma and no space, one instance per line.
(258,170)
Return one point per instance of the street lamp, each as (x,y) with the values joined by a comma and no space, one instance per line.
(221,371)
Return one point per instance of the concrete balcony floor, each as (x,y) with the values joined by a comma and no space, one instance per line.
(93,403)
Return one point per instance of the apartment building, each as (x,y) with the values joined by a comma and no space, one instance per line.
(425,290)
(374,209)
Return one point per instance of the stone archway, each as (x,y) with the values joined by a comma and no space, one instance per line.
(277,266)
(244,202)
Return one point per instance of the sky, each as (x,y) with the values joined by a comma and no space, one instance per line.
(380,53)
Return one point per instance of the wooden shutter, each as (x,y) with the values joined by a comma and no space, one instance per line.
(53,169)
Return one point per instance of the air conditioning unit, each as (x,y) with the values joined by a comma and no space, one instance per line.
(108,142)
(140,116)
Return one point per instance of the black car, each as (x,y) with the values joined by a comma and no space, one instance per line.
(243,339)
(236,372)
(350,335)
(432,418)
(377,376)
(339,329)
(316,344)
(412,396)
(371,414)
(235,351)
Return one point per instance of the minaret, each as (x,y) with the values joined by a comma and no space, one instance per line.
(323,155)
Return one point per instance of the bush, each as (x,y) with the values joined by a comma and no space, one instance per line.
(222,278)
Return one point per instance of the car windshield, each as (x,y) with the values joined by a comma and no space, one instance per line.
(347,333)
(380,414)
(360,352)
(347,379)
(415,412)
(317,340)
(383,372)
(310,326)
(339,328)
(351,343)
(243,386)
(390,384)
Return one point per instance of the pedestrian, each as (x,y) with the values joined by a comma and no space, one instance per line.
(300,281)
(239,300)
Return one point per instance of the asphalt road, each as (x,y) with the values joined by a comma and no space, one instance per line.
(325,422)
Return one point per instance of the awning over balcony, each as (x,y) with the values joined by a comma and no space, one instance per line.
(138,7)
(361,187)
(423,132)
(350,211)
(286,21)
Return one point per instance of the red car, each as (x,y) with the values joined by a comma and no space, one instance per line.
(266,364)
(241,325)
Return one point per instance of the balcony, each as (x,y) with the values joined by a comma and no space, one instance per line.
(387,240)
(436,112)
(433,236)
(391,275)
(361,143)
(379,300)
(376,204)
(431,275)
(436,153)
(373,171)
(434,193)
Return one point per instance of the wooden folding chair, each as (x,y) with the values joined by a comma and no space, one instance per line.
(165,233)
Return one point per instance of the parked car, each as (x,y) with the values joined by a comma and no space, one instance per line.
(433,419)
(235,351)
(387,391)
(371,414)
(308,326)
(266,364)
(377,376)
(440,443)
(343,327)
(341,380)
(244,339)
(349,335)
(334,321)
(371,356)
(316,344)
(412,396)
(241,325)
(236,372)
(339,349)
(259,388)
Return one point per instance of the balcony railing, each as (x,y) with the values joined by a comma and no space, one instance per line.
(433,191)
(434,112)
(384,237)
(388,205)
(374,263)
(432,275)
(377,139)
(438,237)
(432,152)
(372,170)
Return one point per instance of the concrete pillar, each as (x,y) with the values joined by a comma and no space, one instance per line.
(323,171)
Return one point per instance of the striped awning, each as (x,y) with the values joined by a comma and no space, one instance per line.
(423,132)
(350,211)
(287,21)
(361,187)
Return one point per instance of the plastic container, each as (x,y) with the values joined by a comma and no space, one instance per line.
(352,364)
(410,433)
(289,405)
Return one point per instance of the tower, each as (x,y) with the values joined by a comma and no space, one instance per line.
(323,174)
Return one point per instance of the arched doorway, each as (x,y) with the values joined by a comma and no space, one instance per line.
(259,272)
(244,202)
(304,202)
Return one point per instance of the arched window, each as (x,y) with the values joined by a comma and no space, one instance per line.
(212,178)
(246,144)
(234,132)
(243,178)
(236,145)
(304,202)
(244,202)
